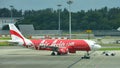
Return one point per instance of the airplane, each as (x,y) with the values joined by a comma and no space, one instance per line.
(57,46)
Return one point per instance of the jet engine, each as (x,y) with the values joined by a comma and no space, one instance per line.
(62,51)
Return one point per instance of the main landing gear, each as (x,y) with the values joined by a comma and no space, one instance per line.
(86,56)
(53,53)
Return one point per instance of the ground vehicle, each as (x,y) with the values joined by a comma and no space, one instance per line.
(108,53)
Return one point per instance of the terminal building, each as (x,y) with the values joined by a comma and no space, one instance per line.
(29,30)
(6,20)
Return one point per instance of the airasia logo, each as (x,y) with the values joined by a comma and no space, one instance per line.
(55,43)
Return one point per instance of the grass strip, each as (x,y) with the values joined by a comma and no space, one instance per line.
(4,44)
(109,49)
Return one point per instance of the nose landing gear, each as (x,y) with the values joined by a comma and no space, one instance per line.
(86,56)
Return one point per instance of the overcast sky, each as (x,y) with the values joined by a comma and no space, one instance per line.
(76,6)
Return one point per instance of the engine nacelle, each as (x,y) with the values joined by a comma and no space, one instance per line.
(63,50)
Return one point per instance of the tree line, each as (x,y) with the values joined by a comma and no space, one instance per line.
(47,19)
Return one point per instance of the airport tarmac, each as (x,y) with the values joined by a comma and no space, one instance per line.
(18,57)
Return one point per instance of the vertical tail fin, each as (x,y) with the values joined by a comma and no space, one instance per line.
(15,33)
(18,37)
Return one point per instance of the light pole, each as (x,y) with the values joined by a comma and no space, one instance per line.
(69,2)
(11,12)
(59,20)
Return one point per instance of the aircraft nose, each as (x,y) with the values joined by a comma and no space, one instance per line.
(97,46)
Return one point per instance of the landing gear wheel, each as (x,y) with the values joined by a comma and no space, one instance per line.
(58,53)
(53,53)
(87,56)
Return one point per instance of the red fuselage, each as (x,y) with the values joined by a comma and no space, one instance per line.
(71,45)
